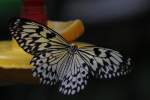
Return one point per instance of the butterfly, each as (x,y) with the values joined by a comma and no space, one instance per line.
(55,60)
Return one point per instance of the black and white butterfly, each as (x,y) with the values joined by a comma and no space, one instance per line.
(57,61)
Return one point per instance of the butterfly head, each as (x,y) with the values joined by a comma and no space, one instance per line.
(73,45)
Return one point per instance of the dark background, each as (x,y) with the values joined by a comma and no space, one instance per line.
(123,25)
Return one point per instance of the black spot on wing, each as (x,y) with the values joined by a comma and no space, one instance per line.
(96,51)
(35,38)
(48,45)
(108,53)
(39,29)
(50,35)
(91,61)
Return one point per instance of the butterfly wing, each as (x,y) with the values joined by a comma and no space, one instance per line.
(105,63)
(46,46)
(46,64)
(60,66)
(76,78)
(100,62)
(34,37)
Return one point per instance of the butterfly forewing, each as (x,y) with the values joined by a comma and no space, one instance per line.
(34,37)
(105,63)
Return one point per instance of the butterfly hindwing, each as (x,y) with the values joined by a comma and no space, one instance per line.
(60,66)
(34,37)
(76,79)
(42,69)
(46,65)
(105,63)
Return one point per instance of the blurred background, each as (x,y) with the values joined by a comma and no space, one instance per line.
(123,25)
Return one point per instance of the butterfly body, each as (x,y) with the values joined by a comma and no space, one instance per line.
(73,48)
(57,61)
